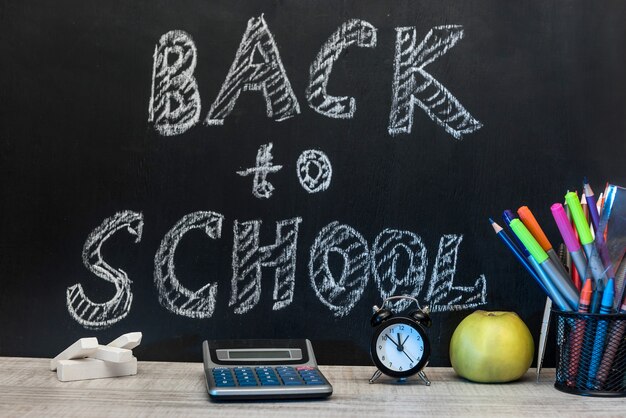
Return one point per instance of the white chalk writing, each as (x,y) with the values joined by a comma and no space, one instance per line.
(249,258)
(261,187)
(172,294)
(314,171)
(353,32)
(257,67)
(94,315)
(442,295)
(342,293)
(388,250)
(412,84)
(175,100)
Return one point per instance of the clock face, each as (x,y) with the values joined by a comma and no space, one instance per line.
(400,347)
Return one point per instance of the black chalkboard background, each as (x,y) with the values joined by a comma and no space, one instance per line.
(546,79)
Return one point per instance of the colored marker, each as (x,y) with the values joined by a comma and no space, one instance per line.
(578,333)
(576,277)
(620,287)
(616,335)
(591,203)
(530,264)
(567,232)
(606,307)
(531,223)
(507,216)
(518,254)
(563,284)
(584,234)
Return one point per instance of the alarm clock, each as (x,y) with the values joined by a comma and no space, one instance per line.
(400,347)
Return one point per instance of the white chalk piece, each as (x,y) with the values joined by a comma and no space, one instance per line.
(91,368)
(81,348)
(127,341)
(112,354)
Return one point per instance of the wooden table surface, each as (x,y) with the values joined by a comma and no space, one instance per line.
(29,388)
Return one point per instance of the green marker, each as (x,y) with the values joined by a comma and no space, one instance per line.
(563,284)
(582,227)
(584,234)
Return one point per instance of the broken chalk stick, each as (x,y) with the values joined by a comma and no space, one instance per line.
(128,341)
(91,368)
(81,348)
(113,354)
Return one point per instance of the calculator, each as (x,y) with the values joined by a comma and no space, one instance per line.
(262,369)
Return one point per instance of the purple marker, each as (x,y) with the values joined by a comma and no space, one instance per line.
(571,242)
(591,203)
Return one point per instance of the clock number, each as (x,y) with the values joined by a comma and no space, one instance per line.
(400,368)
(401,327)
(385,337)
(411,366)
(421,348)
(380,347)
(383,358)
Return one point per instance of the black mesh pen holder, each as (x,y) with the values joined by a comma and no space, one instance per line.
(591,353)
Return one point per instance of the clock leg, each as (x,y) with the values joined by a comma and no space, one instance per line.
(375,376)
(422,376)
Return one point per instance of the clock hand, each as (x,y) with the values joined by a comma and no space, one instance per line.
(407,337)
(394,343)
(408,356)
(400,345)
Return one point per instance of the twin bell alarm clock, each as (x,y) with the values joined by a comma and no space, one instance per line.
(400,347)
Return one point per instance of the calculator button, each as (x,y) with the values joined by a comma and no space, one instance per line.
(270,382)
(224,383)
(292,380)
(314,382)
(248,383)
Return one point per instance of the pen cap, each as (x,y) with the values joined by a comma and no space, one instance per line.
(579,218)
(531,223)
(565,227)
(528,240)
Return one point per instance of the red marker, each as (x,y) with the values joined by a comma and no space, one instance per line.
(578,333)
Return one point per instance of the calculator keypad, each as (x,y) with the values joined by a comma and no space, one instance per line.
(266,376)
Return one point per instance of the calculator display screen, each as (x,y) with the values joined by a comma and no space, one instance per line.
(265,354)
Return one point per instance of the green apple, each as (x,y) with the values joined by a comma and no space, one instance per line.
(491,347)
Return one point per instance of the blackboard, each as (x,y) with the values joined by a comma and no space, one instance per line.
(273,169)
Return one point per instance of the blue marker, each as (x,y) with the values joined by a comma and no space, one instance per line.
(517,252)
(606,307)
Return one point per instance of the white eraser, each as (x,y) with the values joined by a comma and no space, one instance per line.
(127,341)
(113,354)
(81,348)
(91,368)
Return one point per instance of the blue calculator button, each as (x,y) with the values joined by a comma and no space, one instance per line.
(291,379)
(248,383)
(293,382)
(224,383)
(221,370)
(270,382)
(314,382)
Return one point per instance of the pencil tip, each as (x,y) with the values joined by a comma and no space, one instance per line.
(490,220)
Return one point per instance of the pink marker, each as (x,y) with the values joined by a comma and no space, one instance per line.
(569,237)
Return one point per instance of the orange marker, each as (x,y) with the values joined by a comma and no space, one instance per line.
(578,333)
(528,219)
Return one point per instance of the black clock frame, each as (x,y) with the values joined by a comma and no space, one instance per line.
(420,330)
